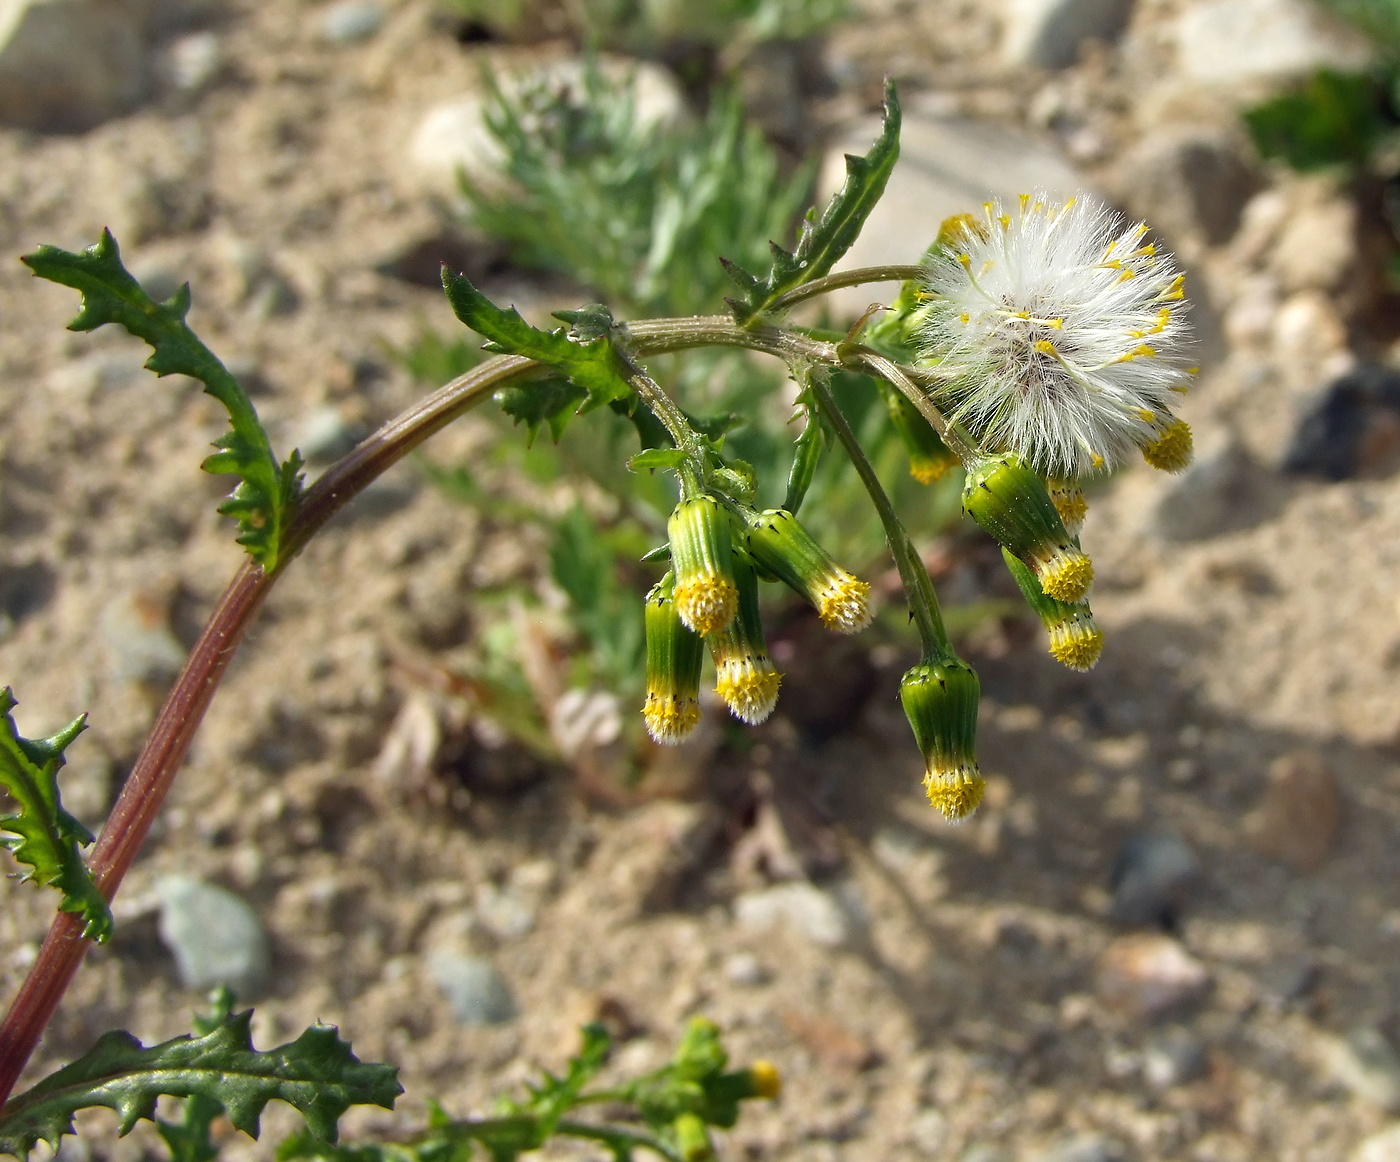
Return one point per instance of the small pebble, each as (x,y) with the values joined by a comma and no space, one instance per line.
(476,992)
(1152,876)
(141,647)
(803,907)
(352,21)
(502,912)
(193,61)
(323,435)
(215,937)
(1145,976)
(744,970)
(1173,1059)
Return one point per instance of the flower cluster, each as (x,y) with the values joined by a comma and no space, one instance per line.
(1059,334)
(710,598)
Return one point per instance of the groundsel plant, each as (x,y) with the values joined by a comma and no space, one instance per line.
(1034,345)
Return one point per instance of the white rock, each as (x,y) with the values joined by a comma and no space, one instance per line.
(1189,182)
(476,992)
(1230,43)
(66,65)
(1317,246)
(1380,1147)
(947,166)
(352,21)
(452,137)
(803,907)
(1047,34)
(191,62)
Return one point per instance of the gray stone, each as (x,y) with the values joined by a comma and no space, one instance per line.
(802,907)
(947,166)
(215,937)
(157,278)
(1235,43)
(141,647)
(324,435)
(1189,183)
(1047,34)
(452,137)
(1383,1146)
(1365,1064)
(1151,878)
(1083,1148)
(352,21)
(475,990)
(67,65)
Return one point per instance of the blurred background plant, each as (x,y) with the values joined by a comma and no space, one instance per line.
(638,213)
(1346,122)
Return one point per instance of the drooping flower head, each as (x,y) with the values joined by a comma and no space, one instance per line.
(1060,332)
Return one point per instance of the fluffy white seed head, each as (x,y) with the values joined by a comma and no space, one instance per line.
(1058,332)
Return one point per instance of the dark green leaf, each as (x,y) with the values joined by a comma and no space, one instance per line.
(822,241)
(593,366)
(43,836)
(657,458)
(317,1074)
(550,401)
(266,491)
(1332,118)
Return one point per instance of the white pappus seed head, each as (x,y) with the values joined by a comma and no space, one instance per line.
(1057,331)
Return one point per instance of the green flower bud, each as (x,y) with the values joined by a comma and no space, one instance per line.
(940,701)
(674,657)
(692,1138)
(782,546)
(930,459)
(745,676)
(1075,638)
(1010,501)
(703,558)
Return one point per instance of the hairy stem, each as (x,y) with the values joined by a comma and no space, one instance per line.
(863,274)
(889,370)
(923,602)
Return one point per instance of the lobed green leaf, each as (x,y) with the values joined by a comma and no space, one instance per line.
(43,836)
(317,1074)
(822,241)
(266,491)
(592,365)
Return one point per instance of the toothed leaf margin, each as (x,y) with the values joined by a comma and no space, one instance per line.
(266,490)
(822,241)
(43,836)
(317,1074)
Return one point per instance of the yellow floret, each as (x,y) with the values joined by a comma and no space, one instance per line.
(1077,643)
(930,471)
(843,603)
(1064,573)
(749,686)
(706,602)
(955,791)
(1173,448)
(767,1082)
(1068,498)
(670,718)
